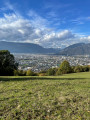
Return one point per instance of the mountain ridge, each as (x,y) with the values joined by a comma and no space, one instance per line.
(15,47)
(76,49)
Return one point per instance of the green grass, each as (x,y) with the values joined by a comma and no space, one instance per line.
(64,97)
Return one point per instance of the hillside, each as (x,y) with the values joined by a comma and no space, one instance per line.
(76,49)
(14,47)
(45,98)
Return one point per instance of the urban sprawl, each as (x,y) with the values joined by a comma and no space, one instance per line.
(38,63)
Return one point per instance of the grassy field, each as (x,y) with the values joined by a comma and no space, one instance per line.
(64,97)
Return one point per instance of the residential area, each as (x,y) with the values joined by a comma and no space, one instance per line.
(37,62)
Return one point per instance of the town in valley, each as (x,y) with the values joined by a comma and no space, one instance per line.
(38,62)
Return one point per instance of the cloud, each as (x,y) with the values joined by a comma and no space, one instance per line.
(37,20)
(85,39)
(58,36)
(81,20)
(12,27)
(9,6)
(59,39)
(35,30)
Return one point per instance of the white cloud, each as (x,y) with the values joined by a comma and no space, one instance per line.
(37,20)
(21,31)
(60,36)
(7,6)
(85,39)
(35,30)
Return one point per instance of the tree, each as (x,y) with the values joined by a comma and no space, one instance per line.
(64,68)
(7,63)
(29,73)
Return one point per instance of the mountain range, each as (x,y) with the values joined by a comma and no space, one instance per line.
(15,47)
(75,49)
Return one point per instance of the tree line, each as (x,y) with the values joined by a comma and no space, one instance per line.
(65,68)
(8,67)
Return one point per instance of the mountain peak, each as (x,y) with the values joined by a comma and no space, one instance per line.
(76,49)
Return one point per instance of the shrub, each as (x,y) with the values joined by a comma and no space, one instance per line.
(72,69)
(42,74)
(86,68)
(51,71)
(78,69)
(19,73)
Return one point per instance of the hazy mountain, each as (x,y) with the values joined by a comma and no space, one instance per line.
(76,49)
(14,47)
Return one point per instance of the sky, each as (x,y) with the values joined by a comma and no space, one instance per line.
(49,23)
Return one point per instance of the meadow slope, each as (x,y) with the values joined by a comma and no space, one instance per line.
(64,97)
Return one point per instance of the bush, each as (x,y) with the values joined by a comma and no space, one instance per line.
(24,73)
(78,69)
(42,74)
(16,73)
(86,68)
(72,69)
(19,73)
(51,71)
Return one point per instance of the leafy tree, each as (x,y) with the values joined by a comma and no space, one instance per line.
(30,73)
(7,63)
(64,68)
